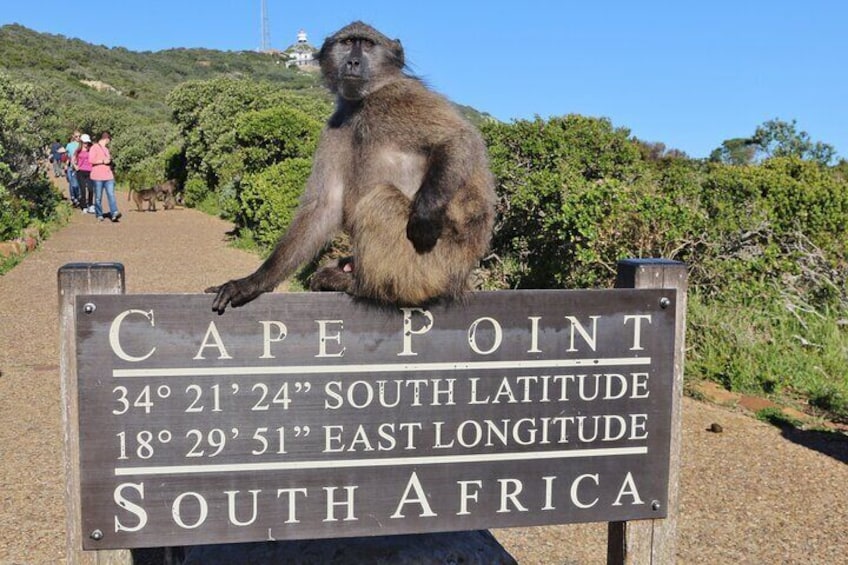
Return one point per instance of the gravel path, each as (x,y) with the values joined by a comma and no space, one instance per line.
(752,494)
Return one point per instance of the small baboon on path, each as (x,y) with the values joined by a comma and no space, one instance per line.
(141,196)
(164,191)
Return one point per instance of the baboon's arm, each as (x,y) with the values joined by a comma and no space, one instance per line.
(448,165)
(318,218)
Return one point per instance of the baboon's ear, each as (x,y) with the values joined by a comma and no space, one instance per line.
(397,51)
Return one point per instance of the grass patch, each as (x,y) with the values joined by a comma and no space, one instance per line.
(9,263)
(771,349)
(246,242)
(775,417)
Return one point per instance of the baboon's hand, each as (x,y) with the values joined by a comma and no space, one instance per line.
(424,227)
(236,292)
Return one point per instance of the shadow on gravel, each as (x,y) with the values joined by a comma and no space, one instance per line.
(832,444)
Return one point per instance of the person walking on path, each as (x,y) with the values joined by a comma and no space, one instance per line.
(103,178)
(56,158)
(73,185)
(82,164)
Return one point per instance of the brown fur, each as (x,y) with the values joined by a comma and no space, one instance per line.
(141,196)
(164,191)
(400,171)
(167,193)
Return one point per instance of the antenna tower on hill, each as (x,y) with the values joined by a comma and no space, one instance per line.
(266,41)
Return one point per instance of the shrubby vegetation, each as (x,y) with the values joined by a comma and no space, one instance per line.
(765,243)
(267,199)
(231,125)
(761,223)
(576,196)
(26,196)
(235,133)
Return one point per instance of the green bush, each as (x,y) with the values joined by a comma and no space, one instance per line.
(268,199)
(271,135)
(195,191)
(806,197)
(164,164)
(25,193)
(14,216)
(575,195)
(786,193)
(143,143)
(210,115)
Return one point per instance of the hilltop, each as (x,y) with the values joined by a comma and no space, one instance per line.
(80,78)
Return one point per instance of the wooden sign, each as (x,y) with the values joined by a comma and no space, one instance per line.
(314,415)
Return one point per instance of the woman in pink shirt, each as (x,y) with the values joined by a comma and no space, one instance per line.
(82,164)
(101,174)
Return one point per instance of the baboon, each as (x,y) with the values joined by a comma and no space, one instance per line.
(167,193)
(145,195)
(166,189)
(400,170)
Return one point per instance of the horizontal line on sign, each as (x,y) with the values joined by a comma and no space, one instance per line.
(385,462)
(376,368)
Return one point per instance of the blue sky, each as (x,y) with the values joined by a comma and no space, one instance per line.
(688,74)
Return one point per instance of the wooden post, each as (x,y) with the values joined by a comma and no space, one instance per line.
(654,541)
(76,279)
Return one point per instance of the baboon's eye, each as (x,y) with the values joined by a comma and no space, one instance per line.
(367,44)
(348,41)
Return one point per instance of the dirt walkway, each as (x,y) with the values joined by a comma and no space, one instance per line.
(752,494)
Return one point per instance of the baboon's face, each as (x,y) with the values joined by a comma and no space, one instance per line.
(358,59)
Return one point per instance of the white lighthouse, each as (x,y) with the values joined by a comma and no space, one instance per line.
(302,54)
